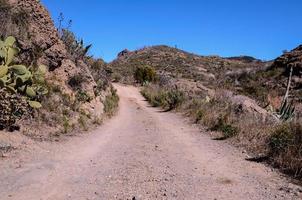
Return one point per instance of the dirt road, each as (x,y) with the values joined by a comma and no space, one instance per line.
(141,153)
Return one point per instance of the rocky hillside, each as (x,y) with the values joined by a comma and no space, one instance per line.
(269,85)
(238,98)
(77,92)
(292,58)
(181,64)
(194,71)
(263,81)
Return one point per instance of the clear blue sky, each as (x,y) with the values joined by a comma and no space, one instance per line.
(260,28)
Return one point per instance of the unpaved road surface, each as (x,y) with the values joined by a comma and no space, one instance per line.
(141,153)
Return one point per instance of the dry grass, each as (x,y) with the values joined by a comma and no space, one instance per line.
(168,99)
(281,143)
(111,103)
(285,148)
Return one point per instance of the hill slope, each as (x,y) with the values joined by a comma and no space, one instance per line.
(181,64)
(236,97)
(75,94)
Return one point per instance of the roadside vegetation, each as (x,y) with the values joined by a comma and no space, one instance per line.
(285,147)
(111,103)
(168,99)
(276,141)
(144,74)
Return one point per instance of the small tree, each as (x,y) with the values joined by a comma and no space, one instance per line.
(144,74)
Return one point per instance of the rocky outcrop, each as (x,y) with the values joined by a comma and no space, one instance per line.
(65,107)
(292,58)
(288,60)
(123,53)
(42,34)
(45,45)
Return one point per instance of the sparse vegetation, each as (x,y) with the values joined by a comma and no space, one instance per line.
(199,115)
(13,107)
(226,128)
(144,74)
(66,124)
(174,98)
(75,47)
(168,99)
(173,79)
(82,96)
(228,82)
(285,148)
(83,120)
(284,142)
(215,114)
(75,82)
(111,103)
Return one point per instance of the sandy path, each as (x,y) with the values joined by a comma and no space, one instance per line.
(141,153)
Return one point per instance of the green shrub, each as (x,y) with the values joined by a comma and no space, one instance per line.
(97,120)
(199,115)
(281,138)
(75,48)
(226,128)
(82,96)
(174,98)
(66,124)
(160,99)
(12,107)
(75,81)
(285,148)
(83,122)
(115,77)
(166,98)
(101,85)
(144,74)
(111,103)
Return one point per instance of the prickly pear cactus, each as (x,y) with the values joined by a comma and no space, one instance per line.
(26,81)
(20,86)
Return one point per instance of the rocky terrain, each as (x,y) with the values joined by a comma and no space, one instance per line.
(76,98)
(239,97)
(244,75)
(142,153)
(51,88)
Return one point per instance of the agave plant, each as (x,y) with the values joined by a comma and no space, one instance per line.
(287,109)
(27,81)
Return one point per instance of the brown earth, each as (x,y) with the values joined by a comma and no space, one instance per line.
(142,153)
